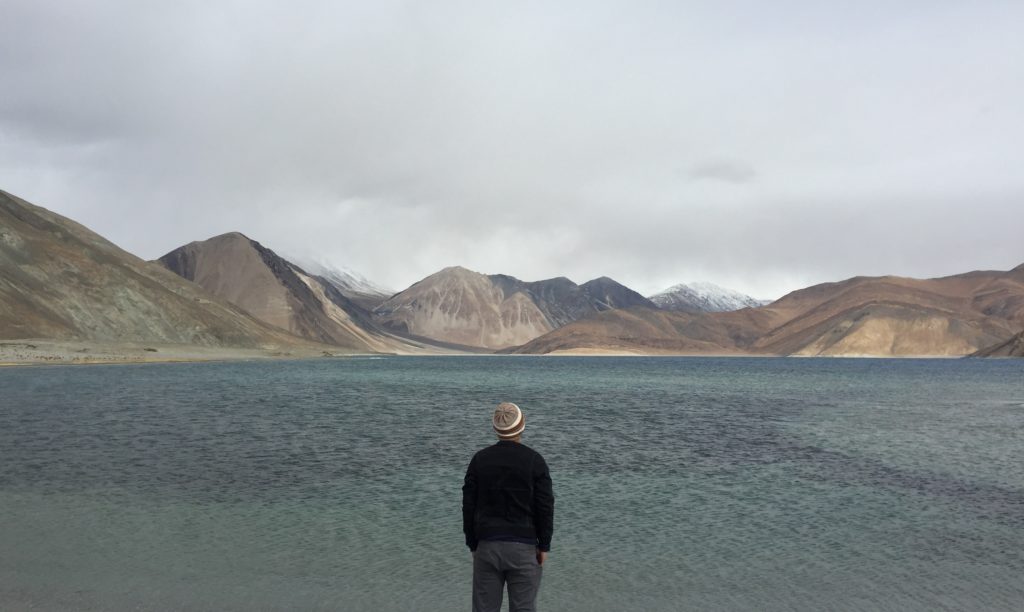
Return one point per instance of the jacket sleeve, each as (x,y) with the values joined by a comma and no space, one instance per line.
(543,504)
(469,505)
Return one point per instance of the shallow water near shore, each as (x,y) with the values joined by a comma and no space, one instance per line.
(680,483)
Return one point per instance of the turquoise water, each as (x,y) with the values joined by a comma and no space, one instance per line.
(680,483)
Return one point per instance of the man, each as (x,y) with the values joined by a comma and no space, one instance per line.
(508,512)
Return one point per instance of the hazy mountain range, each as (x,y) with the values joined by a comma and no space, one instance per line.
(61,281)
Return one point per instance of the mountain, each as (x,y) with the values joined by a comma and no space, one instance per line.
(879,316)
(647,330)
(703,297)
(460,306)
(272,289)
(953,315)
(463,307)
(1014,347)
(607,294)
(349,283)
(61,281)
(563,301)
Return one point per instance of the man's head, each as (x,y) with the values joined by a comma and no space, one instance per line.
(508,421)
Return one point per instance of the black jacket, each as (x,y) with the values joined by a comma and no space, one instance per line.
(507,493)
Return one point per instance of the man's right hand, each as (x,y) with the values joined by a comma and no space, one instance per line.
(542,556)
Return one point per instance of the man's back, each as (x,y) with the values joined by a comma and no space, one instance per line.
(507,494)
(508,516)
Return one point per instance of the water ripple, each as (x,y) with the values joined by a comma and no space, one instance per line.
(710,484)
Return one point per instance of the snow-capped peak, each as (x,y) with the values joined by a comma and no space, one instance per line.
(703,297)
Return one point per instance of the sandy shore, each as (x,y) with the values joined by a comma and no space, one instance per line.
(618,352)
(53,352)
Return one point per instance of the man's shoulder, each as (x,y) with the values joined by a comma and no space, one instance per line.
(531,451)
(483,452)
(503,449)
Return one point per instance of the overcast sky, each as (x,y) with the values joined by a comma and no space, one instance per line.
(760,145)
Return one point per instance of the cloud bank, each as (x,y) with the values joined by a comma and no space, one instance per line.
(762,146)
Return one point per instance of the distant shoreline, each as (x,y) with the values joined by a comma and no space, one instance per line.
(37,352)
(33,352)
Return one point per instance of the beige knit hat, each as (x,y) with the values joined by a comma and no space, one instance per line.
(508,421)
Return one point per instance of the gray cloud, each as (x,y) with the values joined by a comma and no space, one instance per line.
(535,140)
(729,171)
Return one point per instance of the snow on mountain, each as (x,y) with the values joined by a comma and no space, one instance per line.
(703,297)
(351,284)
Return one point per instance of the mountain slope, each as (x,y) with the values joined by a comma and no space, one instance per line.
(645,330)
(352,285)
(563,301)
(1014,347)
(703,297)
(465,307)
(881,316)
(889,315)
(254,278)
(59,280)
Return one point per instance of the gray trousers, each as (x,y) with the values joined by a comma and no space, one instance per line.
(498,563)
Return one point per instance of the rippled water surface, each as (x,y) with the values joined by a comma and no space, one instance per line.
(681,483)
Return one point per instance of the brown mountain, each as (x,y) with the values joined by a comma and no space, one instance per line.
(953,315)
(61,281)
(460,306)
(463,307)
(254,278)
(647,330)
(883,316)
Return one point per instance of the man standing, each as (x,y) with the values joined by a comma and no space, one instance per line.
(508,513)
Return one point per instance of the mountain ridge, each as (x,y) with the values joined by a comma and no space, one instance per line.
(880,316)
(496,311)
(62,281)
(255,278)
(352,285)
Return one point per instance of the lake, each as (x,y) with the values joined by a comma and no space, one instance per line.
(681,483)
